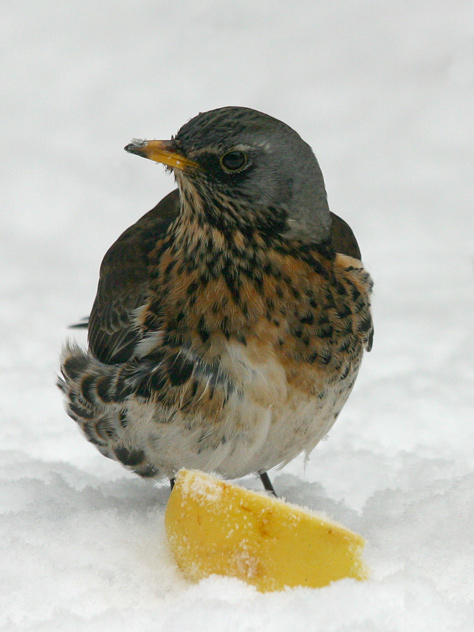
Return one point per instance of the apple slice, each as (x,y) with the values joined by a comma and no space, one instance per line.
(215,527)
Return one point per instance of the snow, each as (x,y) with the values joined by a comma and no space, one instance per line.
(384,92)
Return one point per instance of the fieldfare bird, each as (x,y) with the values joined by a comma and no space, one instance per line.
(231,319)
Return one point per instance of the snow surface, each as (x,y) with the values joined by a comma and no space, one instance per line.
(384,92)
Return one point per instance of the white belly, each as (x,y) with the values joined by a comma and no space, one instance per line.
(263,424)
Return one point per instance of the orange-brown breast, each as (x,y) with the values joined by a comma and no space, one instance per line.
(312,317)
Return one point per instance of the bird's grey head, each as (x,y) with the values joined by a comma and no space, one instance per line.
(252,170)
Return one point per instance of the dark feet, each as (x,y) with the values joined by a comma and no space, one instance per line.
(267,483)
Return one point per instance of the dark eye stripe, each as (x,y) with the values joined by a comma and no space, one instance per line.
(234,160)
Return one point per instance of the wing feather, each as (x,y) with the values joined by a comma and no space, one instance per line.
(123,284)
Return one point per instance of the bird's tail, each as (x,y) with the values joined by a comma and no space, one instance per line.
(95,394)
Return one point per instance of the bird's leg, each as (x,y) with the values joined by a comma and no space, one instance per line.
(267,483)
(171,483)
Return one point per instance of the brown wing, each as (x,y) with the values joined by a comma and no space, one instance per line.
(343,238)
(123,283)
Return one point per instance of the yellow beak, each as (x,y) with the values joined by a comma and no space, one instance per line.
(163,151)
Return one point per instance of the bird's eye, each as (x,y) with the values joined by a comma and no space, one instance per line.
(234,160)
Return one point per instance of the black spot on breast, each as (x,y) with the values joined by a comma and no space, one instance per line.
(318,268)
(344,346)
(232,283)
(202,329)
(179,370)
(323,319)
(325,332)
(169,267)
(330,302)
(307,319)
(326,357)
(204,279)
(225,327)
(271,270)
(340,289)
(258,282)
(355,293)
(192,288)
(296,331)
(270,304)
(347,326)
(344,311)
